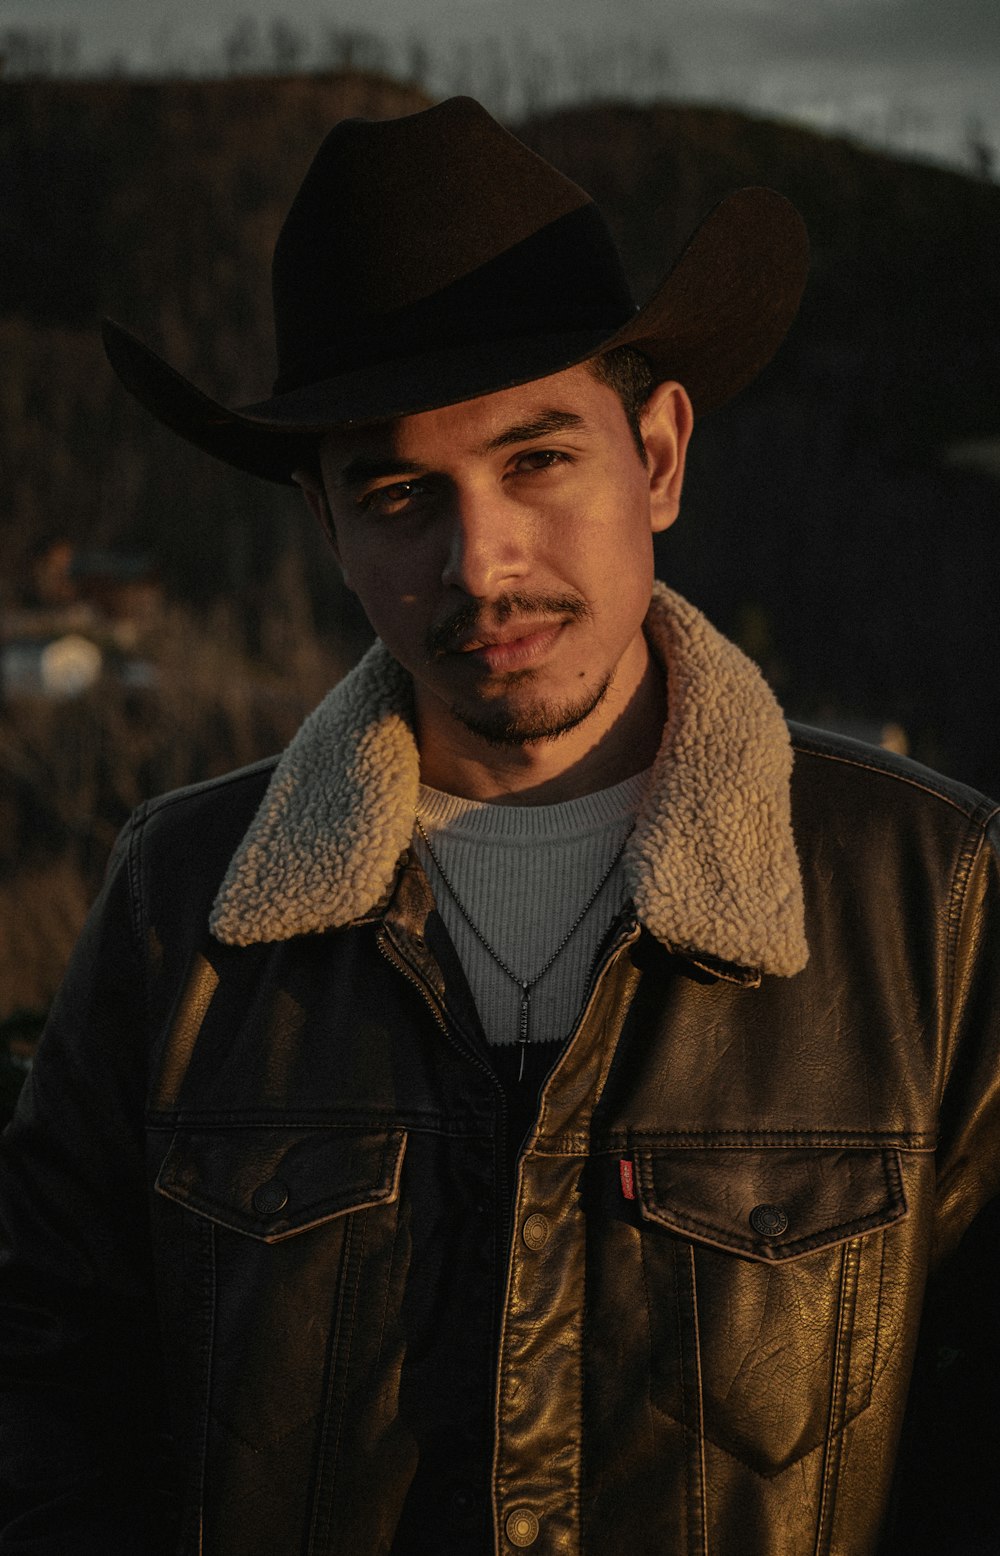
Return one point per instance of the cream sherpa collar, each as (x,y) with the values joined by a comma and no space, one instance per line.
(711,864)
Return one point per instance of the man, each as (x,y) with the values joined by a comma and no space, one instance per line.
(535,1113)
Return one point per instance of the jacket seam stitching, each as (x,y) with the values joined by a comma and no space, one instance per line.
(832,1445)
(731,1453)
(844,1231)
(340,1354)
(388,1287)
(875,1373)
(681,1369)
(973,811)
(184,796)
(702,1530)
(860,1138)
(965,864)
(208,1353)
(319,1119)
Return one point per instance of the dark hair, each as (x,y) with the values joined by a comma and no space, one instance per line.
(630,375)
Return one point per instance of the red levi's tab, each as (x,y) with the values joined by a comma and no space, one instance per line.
(627,1174)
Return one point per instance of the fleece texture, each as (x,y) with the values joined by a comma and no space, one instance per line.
(711,864)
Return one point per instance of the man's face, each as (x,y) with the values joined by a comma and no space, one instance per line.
(502,550)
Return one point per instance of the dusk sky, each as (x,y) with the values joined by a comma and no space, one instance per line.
(916,73)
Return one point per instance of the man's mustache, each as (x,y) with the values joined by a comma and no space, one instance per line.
(479,616)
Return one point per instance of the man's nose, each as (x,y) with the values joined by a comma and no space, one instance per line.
(486,544)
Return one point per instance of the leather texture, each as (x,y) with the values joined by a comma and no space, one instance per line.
(281,1168)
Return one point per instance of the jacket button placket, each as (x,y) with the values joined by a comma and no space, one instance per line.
(538,1396)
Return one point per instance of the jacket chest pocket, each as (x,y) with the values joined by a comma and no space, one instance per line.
(284,1236)
(763,1273)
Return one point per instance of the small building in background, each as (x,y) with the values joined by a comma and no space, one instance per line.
(54,667)
(76,615)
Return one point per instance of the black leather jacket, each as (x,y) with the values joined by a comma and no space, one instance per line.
(268,1288)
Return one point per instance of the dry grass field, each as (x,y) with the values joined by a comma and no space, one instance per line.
(71,770)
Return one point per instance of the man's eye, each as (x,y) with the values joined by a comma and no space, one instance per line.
(392,499)
(540,459)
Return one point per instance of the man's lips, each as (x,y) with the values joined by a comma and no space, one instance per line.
(481,627)
(517,644)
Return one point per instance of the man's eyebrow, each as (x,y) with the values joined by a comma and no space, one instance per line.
(363,468)
(541,427)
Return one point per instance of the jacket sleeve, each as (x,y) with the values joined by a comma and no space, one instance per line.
(80,1393)
(947,1494)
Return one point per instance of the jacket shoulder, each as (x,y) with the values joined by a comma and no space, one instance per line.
(200,802)
(881,782)
(180,844)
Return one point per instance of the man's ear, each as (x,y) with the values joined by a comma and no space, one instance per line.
(317,502)
(666,421)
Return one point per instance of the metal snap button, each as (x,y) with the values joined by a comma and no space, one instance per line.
(768,1221)
(522,1527)
(536,1232)
(270,1197)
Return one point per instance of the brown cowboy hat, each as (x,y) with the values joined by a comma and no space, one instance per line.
(433,258)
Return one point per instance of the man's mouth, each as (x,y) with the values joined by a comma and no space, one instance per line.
(514,646)
(507,632)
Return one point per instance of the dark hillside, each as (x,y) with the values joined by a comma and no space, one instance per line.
(825,524)
(157,203)
(827,520)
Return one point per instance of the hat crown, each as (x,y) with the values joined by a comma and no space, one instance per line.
(431,259)
(439,228)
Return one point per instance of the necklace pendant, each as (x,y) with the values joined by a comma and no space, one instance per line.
(522,1035)
(524,984)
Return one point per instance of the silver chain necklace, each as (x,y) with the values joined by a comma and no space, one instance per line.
(524,984)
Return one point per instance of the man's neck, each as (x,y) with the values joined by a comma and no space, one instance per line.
(547,772)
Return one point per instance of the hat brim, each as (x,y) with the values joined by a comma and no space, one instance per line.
(713,323)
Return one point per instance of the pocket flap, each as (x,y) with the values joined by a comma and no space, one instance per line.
(272,1183)
(770,1205)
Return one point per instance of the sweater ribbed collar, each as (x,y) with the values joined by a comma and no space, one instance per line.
(711,864)
(530,825)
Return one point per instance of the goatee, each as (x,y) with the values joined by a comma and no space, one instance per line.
(500,725)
